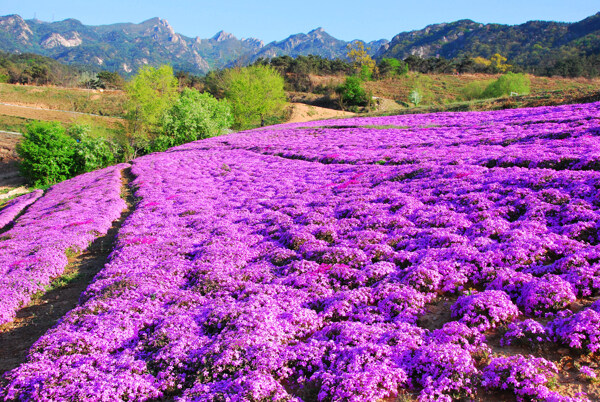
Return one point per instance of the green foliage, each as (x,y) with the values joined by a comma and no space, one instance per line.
(415,97)
(151,92)
(352,93)
(91,153)
(47,153)
(28,68)
(390,67)
(474,90)
(508,84)
(194,116)
(110,80)
(360,58)
(256,94)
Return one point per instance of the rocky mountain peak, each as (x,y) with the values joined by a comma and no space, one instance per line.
(17,25)
(223,36)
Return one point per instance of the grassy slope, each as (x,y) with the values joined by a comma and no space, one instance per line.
(107,103)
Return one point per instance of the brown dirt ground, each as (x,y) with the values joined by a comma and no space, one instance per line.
(302,112)
(38,112)
(9,173)
(44,311)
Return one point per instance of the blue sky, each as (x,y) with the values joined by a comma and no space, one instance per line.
(276,19)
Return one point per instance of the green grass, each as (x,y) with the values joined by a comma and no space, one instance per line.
(109,103)
(14,124)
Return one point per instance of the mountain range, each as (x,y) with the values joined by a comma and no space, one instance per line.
(124,47)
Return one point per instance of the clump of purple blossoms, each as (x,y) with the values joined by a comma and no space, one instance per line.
(527,377)
(294,262)
(546,295)
(528,332)
(446,372)
(588,372)
(579,331)
(485,310)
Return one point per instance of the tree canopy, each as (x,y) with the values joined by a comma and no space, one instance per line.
(256,94)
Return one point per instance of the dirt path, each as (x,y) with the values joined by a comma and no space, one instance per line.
(9,172)
(302,112)
(64,116)
(43,313)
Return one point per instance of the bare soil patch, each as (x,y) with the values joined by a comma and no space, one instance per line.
(17,337)
(37,112)
(9,172)
(302,112)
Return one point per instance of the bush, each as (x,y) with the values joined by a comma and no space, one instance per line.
(90,153)
(194,116)
(47,153)
(256,94)
(474,90)
(507,84)
(390,67)
(352,93)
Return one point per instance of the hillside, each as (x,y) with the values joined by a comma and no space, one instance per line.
(125,47)
(533,44)
(433,256)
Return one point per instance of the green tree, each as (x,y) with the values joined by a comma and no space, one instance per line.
(415,97)
(110,80)
(390,67)
(47,153)
(256,94)
(362,62)
(508,84)
(352,93)
(151,92)
(194,116)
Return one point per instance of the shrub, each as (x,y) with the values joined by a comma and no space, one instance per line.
(507,84)
(474,90)
(194,116)
(47,153)
(91,153)
(390,67)
(150,93)
(352,93)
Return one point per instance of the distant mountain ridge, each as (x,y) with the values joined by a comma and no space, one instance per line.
(125,47)
(534,43)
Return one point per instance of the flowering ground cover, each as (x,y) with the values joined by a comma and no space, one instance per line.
(13,208)
(306,262)
(61,223)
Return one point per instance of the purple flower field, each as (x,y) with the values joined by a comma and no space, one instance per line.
(65,220)
(439,257)
(13,208)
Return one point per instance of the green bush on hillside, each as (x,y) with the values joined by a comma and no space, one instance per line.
(47,153)
(508,84)
(352,93)
(194,116)
(474,90)
(91,153)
